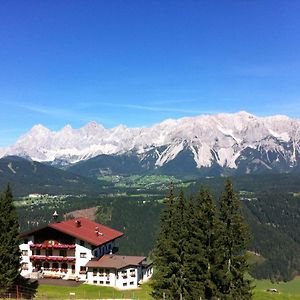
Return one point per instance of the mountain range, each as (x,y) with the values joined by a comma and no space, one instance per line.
(221,144)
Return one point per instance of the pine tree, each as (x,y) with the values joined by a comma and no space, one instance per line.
(179,244)
(235,236)
(163,252)
(169,279)
(9,241)
(202,251)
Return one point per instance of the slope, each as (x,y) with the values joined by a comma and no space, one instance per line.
(27,176)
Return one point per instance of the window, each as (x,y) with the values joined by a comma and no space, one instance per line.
(131,283)
(107,282)
(46,265)
(124,283)
(54,267)
(62,252)
(101,282)
(24,252)
(25,266)
(49,252)
(94,272)
(132,272)
(82,255)
(81,243)
(38,252)
(64,267)
(82,270)
(95,281)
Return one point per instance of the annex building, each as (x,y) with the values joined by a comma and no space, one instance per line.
(82,250)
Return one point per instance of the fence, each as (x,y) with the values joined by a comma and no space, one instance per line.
(18,292)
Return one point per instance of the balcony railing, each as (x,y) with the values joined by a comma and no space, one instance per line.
(53,258)
(52,246)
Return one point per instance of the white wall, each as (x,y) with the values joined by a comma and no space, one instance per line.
(82,261)
(25,259)
(126,278)
(147,273)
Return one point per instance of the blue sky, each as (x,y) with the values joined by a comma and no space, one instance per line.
(140,62)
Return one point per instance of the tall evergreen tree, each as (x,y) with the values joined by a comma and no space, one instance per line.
(169,279)
(231,280)
(163,253)
(9,241)
(179,244)
(202,251)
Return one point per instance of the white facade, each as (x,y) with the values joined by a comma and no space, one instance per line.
(53,263)
(129,277)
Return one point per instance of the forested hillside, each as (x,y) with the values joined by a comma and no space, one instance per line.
(270,203)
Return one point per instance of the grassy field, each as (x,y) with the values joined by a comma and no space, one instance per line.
(86,291)
(286,291)
(289,290)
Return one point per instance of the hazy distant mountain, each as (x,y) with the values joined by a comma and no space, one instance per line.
(222,143)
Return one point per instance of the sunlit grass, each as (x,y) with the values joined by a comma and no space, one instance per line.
(286,291)
(86,291)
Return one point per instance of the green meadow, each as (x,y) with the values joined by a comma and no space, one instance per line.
(286,290)
(86,291)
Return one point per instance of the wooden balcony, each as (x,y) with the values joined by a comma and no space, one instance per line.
(52,258)
(52,246)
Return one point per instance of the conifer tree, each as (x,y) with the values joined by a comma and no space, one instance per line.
(169,279)
(163,252)
(202,251)
(179,288)
(9,241)
(231,280)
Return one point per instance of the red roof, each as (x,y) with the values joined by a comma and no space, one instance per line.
(84,229)
(116,261)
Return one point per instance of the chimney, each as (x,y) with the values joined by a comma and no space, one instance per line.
(78,223)
(97,231)
(55,215)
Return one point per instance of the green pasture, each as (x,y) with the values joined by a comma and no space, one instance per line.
(286,290)
(86,291)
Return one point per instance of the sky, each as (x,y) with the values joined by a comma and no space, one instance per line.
(140,62)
